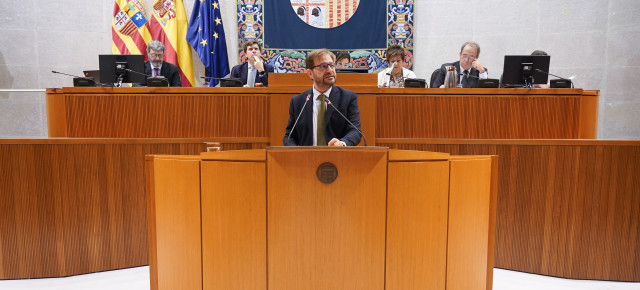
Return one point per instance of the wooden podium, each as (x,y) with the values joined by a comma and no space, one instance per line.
(321,218)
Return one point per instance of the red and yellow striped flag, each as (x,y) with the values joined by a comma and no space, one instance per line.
(169,25)
(339,11)
(130,28)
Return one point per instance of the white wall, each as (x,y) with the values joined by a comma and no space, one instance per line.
(594,40)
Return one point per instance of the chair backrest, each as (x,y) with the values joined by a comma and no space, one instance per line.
(434,75)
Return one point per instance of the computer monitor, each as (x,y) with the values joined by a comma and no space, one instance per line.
(117,69)
(361,70)
(525,70)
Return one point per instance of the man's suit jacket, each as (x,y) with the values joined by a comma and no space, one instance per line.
(471,82)
(169,71)
(241,71)
(336,127)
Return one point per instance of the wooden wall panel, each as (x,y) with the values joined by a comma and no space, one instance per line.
(166,115)
(176,234)
(234,225)
(470,223)
(565,208)
(73,206)
(263,112)
(341,225)
(417,219)
(478,117)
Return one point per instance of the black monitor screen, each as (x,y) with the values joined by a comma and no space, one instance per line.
(523,70)
(352,70)
(114,66)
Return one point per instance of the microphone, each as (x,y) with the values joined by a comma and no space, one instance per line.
(135,72)
(389,74)
(79,81)
(469,75)
(66,74)
(569,79)
(344,117)
(298,118)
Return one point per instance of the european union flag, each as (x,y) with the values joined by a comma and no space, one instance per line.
(206,36)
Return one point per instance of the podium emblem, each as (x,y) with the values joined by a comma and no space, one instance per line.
(327,173)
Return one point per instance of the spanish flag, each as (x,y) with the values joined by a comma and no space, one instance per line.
(130,28)
(169,25)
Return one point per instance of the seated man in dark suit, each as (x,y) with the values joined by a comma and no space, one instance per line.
(254,66)
(469,68)
(156,66)
(319,124)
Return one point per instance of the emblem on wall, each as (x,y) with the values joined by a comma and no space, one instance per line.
(324,13)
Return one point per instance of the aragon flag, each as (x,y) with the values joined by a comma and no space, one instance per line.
(169,25)
(130,28)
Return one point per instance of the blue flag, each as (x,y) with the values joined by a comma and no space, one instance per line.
(206,36)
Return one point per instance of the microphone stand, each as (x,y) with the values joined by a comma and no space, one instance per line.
(548,73)
(344,117)
(298,118)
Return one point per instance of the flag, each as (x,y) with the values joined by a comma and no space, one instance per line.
(169,25)
(129,28)
(206,36)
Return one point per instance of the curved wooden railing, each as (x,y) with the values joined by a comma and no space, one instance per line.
(74,206)
(566,208)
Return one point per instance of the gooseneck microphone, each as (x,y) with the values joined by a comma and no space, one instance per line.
(566,79)
(139,73)
(469,75)
(344,117)
(298,118)
(66,74)
(544,72)
(389,74)
(79,81)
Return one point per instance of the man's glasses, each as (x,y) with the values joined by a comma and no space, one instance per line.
(324,66)
(156,55)
(466,57)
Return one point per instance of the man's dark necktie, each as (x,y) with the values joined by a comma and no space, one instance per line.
(465,79)
(322,110)
(156,71)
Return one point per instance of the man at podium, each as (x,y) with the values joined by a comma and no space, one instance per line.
(313,119)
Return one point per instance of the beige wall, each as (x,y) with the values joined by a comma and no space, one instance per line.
(594,40)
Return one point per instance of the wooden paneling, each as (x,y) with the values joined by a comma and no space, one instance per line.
(470,224)
(73,206)
(485,117)
(565,208)
(417,220)
(303,79)
(263,112)
(234,225)
(340,225)
(175,219)
(166,115)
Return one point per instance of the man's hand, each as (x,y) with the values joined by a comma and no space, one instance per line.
(477,65)
(257,63)
(335,142)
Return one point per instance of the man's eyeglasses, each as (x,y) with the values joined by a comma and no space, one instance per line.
(324,66)
(464,56)
(156,55)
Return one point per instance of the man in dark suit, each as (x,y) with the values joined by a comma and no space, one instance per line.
(319,124)
(254,66)
(468,66)
(156,66)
